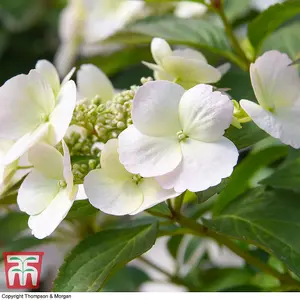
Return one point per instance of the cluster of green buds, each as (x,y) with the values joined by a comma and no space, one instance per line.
(239,115)
(95,123)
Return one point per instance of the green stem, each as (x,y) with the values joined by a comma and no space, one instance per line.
(233,40)
(172,278)
(204,231)
(178,202)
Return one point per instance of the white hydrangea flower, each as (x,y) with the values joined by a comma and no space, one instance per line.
(85,23)
(187,67)
(115,191)
(177,135)
(187,9)
(92,82)
(48,192)
(35,107)
(276,86)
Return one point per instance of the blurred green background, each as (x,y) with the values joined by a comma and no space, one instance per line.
(29,32)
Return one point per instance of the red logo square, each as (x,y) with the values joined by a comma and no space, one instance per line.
(23,269)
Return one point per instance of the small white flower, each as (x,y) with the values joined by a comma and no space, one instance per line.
(277,89)
(92,82)
(35,107)
(48,192)
(115,191)
(187,9)
(179,134)
(187,67)
(85,23)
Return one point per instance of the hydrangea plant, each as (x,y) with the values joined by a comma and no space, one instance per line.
(180,154)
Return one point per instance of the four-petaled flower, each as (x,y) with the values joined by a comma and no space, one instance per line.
(186,67)
(277,89)
(177,135)
(115,191)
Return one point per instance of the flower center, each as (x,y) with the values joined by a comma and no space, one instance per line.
(181,136)
(44,118)
(137,178)
(62,184)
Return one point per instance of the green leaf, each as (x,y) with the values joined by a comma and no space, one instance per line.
(81,209)
(247,136)
(191,247)
(269,219)
(215,280)
(286,40)
(161,208)
(173,245)
(128,279)
(196,33)
(12,226)
(269,20)
(213,190)
(238,81)
(286,177)
(242,174)
(94,259)
(265,281)
(119,60)
(236,8)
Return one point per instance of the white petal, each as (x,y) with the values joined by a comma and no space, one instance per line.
(191,70)
(45,223)
(68,76)
(81,195)
(110,161)
(190,54)
(48,71)
(155,108)
(115,197)
(26,142)
(152,67)
(36,192)
(162,75)
(91,81)
(67,167)
(224,68)
(107,17)
(274,82)
(65,57)
(24,100)
(187,9)
(148,156)
(160,49)
(47,160)
(62,114)
(205,114)
(5,145)
(153,194)
(283,126)
(203,165)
